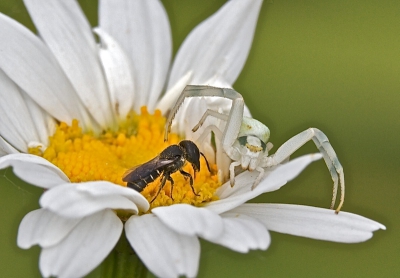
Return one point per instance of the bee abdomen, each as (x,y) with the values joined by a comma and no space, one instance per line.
(138,186)
(141,183)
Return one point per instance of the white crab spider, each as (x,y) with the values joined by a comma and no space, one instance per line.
(245,140)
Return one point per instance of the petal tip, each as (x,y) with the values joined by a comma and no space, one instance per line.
(315,156)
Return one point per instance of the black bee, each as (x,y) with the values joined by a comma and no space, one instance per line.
(170,160)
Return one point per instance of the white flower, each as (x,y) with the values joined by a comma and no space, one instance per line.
(74,215)
(64,75)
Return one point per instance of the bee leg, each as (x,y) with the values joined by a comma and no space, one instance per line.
(187,175)
(172,186)
(163,181)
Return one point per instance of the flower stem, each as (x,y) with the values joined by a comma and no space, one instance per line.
(123,262)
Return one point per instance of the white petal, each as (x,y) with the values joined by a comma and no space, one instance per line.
(44,228)
(164,252)
(119,73)
(29,63)
(289,170)
(34,169)
(312,222)
(243,233)
(189,117)
(189,220)
(243,183)
(6,148)
(170,97)
(45,124)
(241,192)
(67,33)
(77,200)
(16,123)
(84,248)
(142,29)
(104,189)
(219,45)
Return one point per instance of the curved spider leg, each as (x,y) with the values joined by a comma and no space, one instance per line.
(234,119)
(259,177)
(333,164)
(220,155)
(187,175)
(332,170)
(207,131)
(218,136)
(324,146)
(235,116)
(163,181)
(232,172)
(211,113)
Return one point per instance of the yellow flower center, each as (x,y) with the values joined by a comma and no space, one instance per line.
(138,139)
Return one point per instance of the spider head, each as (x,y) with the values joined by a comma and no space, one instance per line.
(251,149)
(252,143)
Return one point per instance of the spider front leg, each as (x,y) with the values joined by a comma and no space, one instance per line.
(229,135)
(211,113)
(235,116)
(226,138)
(234,154)
(324,146)
(243,140)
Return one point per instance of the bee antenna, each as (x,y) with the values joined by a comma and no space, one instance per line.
(208,165)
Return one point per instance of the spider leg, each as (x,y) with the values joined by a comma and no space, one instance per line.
(207,131)
(232,172)
(221,136)
(324,146)
(227,137)
(220,155)
(235,116)
(330,164)
(259,177)
(212,113)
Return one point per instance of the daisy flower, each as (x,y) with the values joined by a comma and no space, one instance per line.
(76,113)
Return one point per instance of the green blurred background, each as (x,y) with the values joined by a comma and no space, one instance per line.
(334,65)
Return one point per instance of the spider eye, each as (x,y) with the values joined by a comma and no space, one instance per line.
(263,145)
(244,142)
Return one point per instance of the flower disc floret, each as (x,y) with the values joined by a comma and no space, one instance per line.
(85,156)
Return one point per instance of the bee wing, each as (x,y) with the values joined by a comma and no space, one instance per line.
(145,169)
(127,174)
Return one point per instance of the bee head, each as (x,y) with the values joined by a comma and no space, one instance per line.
(191,153)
